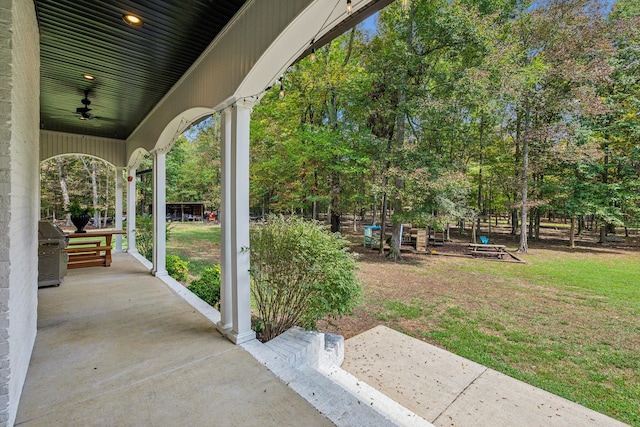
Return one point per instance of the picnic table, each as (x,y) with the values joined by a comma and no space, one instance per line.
(482,249)
(90,251)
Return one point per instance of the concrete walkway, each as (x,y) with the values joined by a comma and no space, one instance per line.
(117,347)
(448,390)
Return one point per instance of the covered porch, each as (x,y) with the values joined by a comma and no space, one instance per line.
(116,346)
(82,78)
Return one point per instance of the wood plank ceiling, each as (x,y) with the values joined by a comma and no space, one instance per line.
(134,67)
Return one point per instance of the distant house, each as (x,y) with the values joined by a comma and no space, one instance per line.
(185,211)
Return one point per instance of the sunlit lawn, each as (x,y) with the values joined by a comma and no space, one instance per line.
(197,242)
(566,321)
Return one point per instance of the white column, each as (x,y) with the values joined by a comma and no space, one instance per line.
(241,328)
(118,210)
(226,301)
(159,214)
(131,211)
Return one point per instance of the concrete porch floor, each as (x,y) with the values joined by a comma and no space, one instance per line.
(117,347)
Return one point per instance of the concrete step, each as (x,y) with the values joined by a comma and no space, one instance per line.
(308,362)
(308,348)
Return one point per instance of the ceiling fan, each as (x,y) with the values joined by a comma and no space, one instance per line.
(83,112)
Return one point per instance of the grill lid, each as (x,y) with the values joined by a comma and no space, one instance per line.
(48,230)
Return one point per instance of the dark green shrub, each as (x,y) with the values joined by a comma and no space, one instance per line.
(207,287)
(177,268)
(300,273)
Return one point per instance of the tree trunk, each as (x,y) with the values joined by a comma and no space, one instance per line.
(315,192)
(531,223)
(355,219)
(335,203)
(481,208)
(375,208)
(580,224)
(383,222)
(396,240)
(603,233)
(65,190)
(572,232)
(514,222)
(94,188)
(94,192)
(524,246)
(474,238)
(106,201)
(335,222)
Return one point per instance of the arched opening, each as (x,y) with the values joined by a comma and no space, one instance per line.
(85,179)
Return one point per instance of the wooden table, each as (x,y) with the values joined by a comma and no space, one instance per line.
(90,252)
(488,249)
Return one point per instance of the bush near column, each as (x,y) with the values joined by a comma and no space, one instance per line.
(177,268)
(207,287)
(300,274)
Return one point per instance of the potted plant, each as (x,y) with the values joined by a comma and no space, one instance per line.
(79,216)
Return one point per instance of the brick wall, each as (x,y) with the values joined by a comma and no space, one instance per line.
(19,190)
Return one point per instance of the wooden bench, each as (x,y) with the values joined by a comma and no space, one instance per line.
(488,250)
(88,256)
(85,243)
(89,253)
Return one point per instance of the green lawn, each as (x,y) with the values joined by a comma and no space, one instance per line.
(196,242)
(566,321)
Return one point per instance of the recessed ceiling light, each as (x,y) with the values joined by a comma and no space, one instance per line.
(88,77)
(132,20)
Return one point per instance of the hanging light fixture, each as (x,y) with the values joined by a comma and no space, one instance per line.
(349,7)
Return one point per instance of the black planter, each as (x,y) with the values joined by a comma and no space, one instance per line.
(80,222)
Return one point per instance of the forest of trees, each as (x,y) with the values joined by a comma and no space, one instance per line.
(454,110)
(446,112)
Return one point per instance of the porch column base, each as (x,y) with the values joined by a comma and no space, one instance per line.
(160,273)
(239,338)
(223,328)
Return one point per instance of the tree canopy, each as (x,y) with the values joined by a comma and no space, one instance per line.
(446,111)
